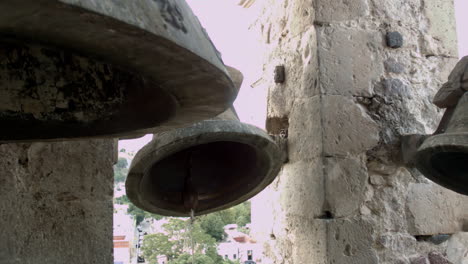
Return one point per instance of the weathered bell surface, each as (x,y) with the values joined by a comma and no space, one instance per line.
(85,68)
(209,166)
(443,157)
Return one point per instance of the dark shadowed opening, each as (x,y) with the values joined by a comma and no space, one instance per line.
(221,172)
(453,167)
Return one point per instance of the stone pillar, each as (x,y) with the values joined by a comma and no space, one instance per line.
(359,74)
(56,202)
(287,216)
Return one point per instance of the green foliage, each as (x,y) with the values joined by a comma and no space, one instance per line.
(138,214)
(155,245)
(198,259)
(177,240)
(122,200)
(122,163)
(120,174)
(179,235)
(213,224)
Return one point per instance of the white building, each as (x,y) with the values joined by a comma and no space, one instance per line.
(239,246)
(125,237)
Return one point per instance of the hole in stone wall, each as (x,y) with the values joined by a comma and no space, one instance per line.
(278,126)
(465,225)
(420,238)
(434,239)
(326,215)
(347,250)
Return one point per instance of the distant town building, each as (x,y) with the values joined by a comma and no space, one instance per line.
(239,246)
(125,237)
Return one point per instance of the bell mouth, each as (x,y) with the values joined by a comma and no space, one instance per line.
(454,164)
(444,159)
(220,173)
(225,166)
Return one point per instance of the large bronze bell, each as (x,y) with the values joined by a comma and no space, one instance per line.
(79,68)
(443,157)
(209,166)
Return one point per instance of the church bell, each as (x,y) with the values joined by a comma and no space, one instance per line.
(443,156)
(77,69)
(209,166)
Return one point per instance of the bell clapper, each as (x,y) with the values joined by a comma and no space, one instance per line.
(190,194)
(190,197)
(192,245)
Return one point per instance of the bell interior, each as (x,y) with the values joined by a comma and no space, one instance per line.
(452,166)
(222,173)
(62,95)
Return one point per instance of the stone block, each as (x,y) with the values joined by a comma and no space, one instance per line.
(345,180)
(350,241)
(299,57)
(310,235)
(457,248)
(432,209)
(305,130)
(437,258)
(302,182)
(420,260)
(347,129)
(402,12)
(340,10)
(56,202)
(349,60)
(393,66)
(442,26)
(304,14)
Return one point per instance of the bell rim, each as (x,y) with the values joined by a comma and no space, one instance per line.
(438,144)
(202,89)
(205,134)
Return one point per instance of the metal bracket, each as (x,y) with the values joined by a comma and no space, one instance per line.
(282,141)
(409,147)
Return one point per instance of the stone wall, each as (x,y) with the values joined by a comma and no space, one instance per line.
(56,202)
(359,74)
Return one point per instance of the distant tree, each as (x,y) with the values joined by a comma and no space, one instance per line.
(122,163)
(122,150)
(177,241)
(158,245)
(243,214)
(122,200)
(120,175)
(141,215)
(213,225)
(120,170)
(138,214)
(198,259)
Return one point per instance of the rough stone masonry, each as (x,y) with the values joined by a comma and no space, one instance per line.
(358,75)
(56,202)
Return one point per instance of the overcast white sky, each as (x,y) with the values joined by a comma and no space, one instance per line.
(227,25)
